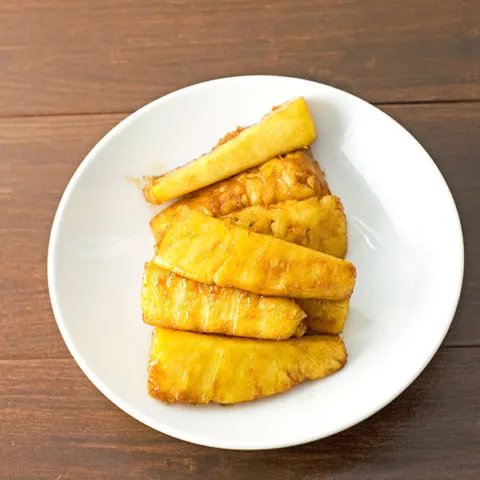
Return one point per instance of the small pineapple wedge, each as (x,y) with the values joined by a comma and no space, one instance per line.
(295,176)
(174,302)
(315,223)
(194,368)
(325,316)
(286,128)
(204,249)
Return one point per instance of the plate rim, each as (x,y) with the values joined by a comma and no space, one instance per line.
(202,439)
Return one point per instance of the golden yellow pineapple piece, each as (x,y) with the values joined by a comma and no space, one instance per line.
(203,248)
(194,368)
(175,302)
(295,176)
(325,316)
(315,223)
(286,128)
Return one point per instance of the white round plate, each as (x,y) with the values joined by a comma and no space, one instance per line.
(404,237)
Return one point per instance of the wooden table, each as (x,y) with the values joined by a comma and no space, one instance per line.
(70,70)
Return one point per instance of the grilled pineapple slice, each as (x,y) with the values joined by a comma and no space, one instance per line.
(314,223)
(175,302)
(295,176)
(194,368)
(286,128)
(203,248)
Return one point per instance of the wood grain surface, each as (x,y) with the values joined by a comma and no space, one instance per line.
(70,70)
(78,56)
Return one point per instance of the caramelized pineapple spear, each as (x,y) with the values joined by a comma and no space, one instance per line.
(286,128)
(204,249)
(295,176)
(193,368)
(175,302)
(314,223)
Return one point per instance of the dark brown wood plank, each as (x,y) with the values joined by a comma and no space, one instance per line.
(115,55)
(56,425)
(38,156)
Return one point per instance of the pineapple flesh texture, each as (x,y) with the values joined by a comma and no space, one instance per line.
(295,176)
(174,302)
(204,249)
(315,223)
(325,316)
(194,368)
(286,128)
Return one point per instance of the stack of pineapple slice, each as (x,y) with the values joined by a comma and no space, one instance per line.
(246,264)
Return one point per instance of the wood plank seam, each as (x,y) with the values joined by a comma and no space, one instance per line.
(379,104)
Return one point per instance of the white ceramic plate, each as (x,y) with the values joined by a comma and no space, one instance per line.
(404,237)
